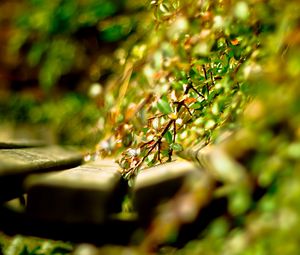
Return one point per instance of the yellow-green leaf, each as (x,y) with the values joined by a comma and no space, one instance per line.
(164,106)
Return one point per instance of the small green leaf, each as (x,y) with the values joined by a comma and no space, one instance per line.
(150,160)
(168,137)
(177,85)
(164,106)
(165,153)
(196,106)
(176,147)
(205,90)
(25,251)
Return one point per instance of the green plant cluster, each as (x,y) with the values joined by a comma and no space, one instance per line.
(213,67)
(259,163)
(33,246)
(184,82)
(192,71)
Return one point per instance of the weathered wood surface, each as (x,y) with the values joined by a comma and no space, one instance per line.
(24,143)
(85,194)
(156,184)
(216,160)
(15,161)
(83,203)
(16,164)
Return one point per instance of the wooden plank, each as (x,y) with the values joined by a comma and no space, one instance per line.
(156,184)
(219,164)
(191,153)
(85,194)
(16,164)
(24,143)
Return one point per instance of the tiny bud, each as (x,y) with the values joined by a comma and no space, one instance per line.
(173,116)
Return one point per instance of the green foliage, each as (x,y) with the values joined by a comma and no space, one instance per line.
(52,48)
(210,68)
(49,34)
(71,118)
(163,106)
(187,73)
(33,246)
(265,147)
(185,80)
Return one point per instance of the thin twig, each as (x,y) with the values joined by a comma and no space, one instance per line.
(212,78)
(204,70)
(158,152)
(197,92)
(190,86)
(139,164)
(187,108)
(174,131)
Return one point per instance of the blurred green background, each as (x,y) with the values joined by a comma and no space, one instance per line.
(57,57)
